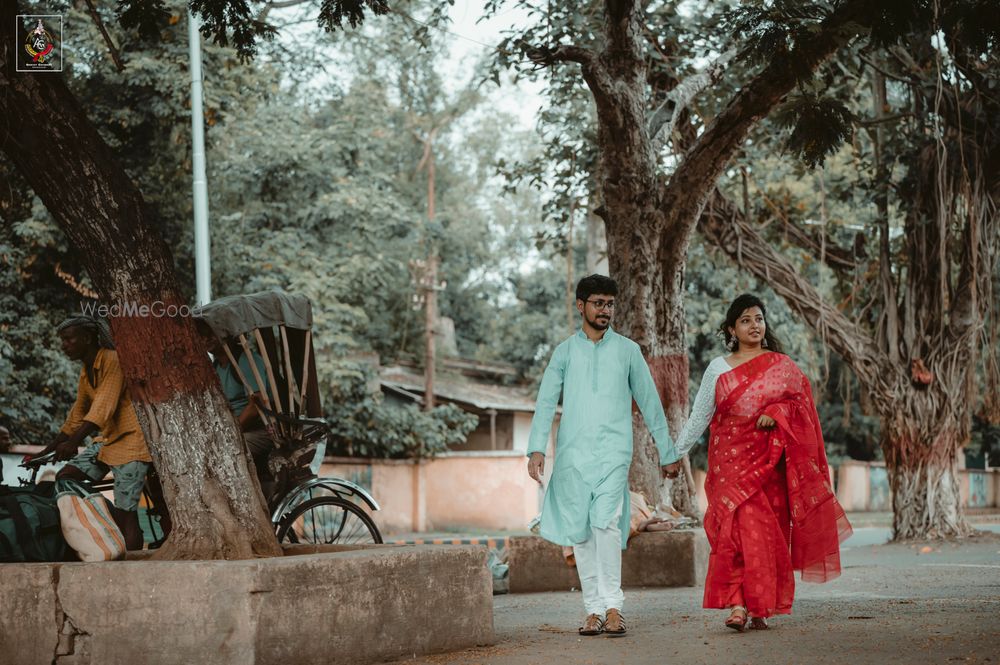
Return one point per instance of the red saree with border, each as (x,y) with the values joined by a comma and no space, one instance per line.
(771,509)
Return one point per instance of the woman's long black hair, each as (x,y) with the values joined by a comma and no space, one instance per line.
(740,305)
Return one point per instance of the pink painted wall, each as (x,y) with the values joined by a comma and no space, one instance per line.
(482,490)
(854,486)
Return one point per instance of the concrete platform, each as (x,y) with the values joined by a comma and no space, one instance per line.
(351,607)
(918,603)
(659,559)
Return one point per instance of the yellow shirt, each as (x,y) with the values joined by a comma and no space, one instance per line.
(108,405)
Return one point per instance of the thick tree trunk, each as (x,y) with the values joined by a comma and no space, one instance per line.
(630,191)
(649,224)
(633,265)
(651,312)
(597,242)
(213,496)
(920,461)
(923,427)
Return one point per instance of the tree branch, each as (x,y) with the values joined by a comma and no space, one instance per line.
(725,226)
(696,176)
(279,4)
(835,257)
(112,49)
(879,121)
(664,118)
(826,250)
(620,10)
(545,56)
(594,72)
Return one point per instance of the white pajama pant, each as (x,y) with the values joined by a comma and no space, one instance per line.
(599,564)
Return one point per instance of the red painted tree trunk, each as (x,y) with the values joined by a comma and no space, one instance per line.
(651,312)
(923,477)
(923,427)
(213,496)
(921,439)
(649,220)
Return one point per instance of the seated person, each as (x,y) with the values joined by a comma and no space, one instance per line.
(103,409)
(641,518)
(243,407)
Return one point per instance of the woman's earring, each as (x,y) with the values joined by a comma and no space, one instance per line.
(733,344)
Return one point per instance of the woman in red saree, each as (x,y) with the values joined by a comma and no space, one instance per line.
(771,509)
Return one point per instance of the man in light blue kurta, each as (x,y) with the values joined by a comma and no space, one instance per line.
(598,373)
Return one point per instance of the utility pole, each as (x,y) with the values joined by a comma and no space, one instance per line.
(429,281)
(202,253)
(430,322)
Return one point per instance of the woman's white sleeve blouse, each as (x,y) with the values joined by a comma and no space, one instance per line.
(703,408)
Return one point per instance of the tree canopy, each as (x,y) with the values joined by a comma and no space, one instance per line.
(861,191)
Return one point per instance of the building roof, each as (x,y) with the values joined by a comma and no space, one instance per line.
(460,390)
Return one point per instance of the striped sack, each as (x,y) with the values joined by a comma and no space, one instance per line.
(89,528)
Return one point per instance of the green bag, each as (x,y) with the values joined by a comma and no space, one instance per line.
(29,525)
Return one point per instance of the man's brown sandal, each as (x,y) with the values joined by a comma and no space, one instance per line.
(592,625)
(757,623)
(614,626)
(737,619)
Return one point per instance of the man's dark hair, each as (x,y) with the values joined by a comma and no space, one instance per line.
(98,328)
(600,284)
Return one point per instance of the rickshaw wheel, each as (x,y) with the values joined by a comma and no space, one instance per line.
(328,520)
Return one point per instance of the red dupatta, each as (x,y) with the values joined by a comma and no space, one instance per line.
(745,460)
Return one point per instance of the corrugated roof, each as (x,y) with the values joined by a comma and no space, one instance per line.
(460,390)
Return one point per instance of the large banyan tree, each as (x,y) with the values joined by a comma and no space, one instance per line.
(915,309)
(647,67)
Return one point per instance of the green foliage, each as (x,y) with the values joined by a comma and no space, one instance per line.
(819,126)
(324,199)
(764,29)
(319,198)
(237,23)
(973,23)
(854,438)
(364,425)
(145,17)
(232,22)
(531,328)
(985,440)
(37,382)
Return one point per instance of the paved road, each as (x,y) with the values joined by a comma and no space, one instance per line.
(926,603)
(867,536)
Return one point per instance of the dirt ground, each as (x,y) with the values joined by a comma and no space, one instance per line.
(916,603)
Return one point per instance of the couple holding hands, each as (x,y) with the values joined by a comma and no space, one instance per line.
(771,509)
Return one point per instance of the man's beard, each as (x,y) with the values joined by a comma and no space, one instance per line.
(599,323)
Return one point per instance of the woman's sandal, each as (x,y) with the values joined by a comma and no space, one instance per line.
(757,623)
(737,619)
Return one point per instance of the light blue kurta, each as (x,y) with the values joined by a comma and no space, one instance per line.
(589,480)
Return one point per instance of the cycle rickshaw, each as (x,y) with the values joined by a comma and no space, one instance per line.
(304,508)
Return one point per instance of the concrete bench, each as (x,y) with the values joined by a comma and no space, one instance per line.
(352,607)
(657,559)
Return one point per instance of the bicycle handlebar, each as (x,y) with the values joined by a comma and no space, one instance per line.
(296,420)
(38,461)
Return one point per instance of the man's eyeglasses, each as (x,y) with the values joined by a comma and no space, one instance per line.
(602,304)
